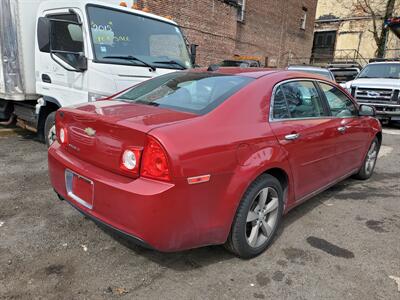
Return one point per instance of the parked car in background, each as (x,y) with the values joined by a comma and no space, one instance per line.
(344,72)
(195,158)
(378,85)
(313,70)
(240,63)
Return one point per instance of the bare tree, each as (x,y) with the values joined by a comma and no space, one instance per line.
(379,12)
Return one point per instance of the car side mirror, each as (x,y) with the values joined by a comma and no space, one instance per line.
(366,110)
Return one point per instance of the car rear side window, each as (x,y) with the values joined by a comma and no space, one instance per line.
(339,104)
(281,110)
(302,100)
(195,92)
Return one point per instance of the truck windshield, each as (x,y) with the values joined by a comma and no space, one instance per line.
(194,92)
(127,38)
(385,70)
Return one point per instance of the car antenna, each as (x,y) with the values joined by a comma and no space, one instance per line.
(213,68)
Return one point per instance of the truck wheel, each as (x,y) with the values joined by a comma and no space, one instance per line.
(50,129)
(394,123)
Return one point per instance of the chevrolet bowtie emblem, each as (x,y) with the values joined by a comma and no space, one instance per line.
(90,131)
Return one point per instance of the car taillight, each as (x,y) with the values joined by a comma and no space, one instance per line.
(130,160)
(155,161)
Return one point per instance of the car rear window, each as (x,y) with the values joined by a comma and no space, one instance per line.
(194,92)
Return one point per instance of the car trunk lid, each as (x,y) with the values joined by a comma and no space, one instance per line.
(99,132)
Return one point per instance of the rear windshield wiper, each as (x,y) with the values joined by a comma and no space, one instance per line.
(170,62)
(132,58)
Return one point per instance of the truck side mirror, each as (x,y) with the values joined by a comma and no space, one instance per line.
(193,53)
(81,62)
(43,34)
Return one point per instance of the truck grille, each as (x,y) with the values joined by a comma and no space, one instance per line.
(374,95)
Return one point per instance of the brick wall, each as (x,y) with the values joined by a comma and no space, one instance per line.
(271,28)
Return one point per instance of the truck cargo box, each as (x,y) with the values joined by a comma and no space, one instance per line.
(17,52)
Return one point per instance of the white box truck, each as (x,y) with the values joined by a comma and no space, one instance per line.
(60,53)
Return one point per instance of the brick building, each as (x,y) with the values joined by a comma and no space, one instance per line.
(273,30)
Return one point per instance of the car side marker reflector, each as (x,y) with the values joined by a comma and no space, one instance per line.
(198,179)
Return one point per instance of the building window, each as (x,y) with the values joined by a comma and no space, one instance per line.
(303,20)
(241,5)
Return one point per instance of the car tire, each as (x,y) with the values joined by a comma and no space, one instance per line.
(242,240)
(49,129)
(368,166)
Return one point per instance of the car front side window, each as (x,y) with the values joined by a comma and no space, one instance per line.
(339,104)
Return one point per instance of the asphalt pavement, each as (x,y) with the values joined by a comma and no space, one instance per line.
(342,244)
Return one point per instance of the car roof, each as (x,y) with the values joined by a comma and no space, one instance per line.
(384,62)
(307,68)
(262,72)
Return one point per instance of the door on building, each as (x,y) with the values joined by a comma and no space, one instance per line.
(323,47)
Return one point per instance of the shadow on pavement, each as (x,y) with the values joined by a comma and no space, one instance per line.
(201,257)
(6,131)
(179,261)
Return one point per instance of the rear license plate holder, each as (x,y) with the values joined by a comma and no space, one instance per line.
(79,188)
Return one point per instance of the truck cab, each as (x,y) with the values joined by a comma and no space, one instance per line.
(82,51)
(378,85)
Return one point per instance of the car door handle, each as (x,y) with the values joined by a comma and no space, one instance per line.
(342,129)
(292,136)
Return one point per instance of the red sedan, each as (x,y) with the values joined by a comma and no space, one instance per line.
(195,158)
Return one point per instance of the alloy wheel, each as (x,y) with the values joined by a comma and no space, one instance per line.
(262,217)
(371,158)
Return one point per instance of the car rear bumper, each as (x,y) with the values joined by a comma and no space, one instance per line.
(112,229)
(160,215)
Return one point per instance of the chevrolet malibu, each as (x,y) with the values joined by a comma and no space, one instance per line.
(196,158)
